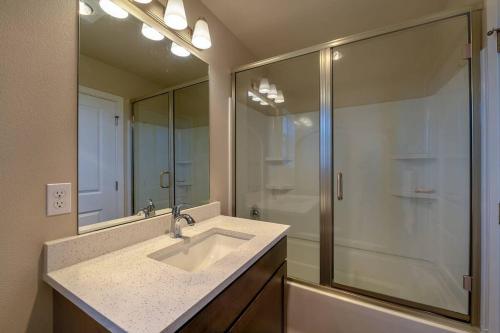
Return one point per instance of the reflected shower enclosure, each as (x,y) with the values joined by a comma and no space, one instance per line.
(394,222)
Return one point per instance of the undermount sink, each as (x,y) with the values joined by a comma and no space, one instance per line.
(201,251)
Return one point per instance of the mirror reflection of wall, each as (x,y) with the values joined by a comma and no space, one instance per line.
(132,90)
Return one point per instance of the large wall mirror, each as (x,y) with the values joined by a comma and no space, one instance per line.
(143,117)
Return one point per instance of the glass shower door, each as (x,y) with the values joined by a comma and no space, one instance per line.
(402,166)
(192,146)
(277,154)
(151,146)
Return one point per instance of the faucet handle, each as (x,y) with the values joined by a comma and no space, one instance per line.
(176,210)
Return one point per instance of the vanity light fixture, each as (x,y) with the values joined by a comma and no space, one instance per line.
(201,35)
(264,86)
(179,50)
(143,1)
(273,93)
(113,9)
(175,15)
(85,9)
(151,33)
(279,98)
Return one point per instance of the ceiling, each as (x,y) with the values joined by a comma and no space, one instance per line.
(119,43)
(272,27)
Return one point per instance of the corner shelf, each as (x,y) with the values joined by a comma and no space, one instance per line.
(413,157)
(413,195)
(277,160)
(280,187)
(183,184)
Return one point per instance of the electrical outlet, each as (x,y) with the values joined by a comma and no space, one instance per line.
(58,199)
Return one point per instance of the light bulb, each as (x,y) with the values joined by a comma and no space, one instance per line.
(175,15)
(143,1)
(151,33)
(112,9)
(273,93)
(179,50)
(263,103)
(85,9)
(255,98)
(264,86)
(279,98)
(201,35)
(337,55)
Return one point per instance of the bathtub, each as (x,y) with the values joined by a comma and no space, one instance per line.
(312,309)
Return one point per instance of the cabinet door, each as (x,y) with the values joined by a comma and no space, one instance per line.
(266,313)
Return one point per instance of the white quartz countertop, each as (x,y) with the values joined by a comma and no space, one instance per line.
(127,291)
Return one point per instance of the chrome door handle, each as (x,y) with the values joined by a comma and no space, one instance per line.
(340,186)
(162,179)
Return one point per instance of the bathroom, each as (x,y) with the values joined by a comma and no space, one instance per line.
(209,165)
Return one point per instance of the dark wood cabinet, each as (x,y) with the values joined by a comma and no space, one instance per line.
(266,314)
(254,302)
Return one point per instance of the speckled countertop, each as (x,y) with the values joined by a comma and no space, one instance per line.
(127,291)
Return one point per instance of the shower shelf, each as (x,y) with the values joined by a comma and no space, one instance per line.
(280,187)
(410,195)
(413,157)
(277,160)
(184,162)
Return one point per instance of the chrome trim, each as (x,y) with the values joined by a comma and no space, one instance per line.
(361,36)
(171,146)
(326,167)
(232,157)
(475,36)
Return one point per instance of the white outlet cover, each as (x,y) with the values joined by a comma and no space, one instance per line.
(58,199)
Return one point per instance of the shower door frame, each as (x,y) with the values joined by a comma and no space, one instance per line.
(474,16)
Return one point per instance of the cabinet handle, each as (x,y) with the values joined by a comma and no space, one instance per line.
(340,186)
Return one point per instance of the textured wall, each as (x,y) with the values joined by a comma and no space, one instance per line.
(38,122)
(37,146)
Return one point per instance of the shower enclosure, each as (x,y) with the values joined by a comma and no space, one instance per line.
(367,148)
(170,148)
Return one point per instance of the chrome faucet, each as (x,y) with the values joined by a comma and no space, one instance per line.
(149,210)
(175,221)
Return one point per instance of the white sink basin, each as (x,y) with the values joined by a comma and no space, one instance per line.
(201,251)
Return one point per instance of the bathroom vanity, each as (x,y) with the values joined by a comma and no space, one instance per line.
(220,276)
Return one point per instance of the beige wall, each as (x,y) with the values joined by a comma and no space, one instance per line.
(38,91)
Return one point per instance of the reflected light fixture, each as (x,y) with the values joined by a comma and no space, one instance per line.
(143,1)
(337,55)
(179,50)
(279,98)
(85,9)
(201,35)
(175,15)
(263,103)
(273,93)
(264,86)
(151,33)
(113,9)
(255,98)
